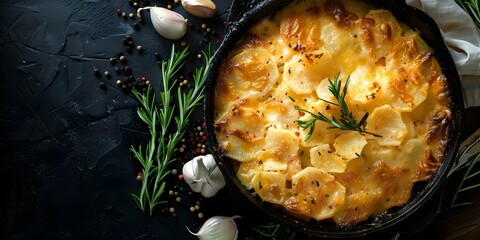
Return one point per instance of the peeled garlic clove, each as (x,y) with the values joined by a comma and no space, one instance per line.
(169,24)
(200,8)
(218,228)
(203,175)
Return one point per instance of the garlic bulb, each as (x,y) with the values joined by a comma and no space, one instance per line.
(218,228)
(203,175)
(169,24)
(200,8)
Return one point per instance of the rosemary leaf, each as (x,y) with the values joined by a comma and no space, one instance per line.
(473,9)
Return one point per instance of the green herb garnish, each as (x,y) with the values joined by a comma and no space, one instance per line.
(346,121)
(274,231)
(467,182)
(473,9)
(161,148)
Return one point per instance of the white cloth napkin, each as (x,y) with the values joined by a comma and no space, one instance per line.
(462,39)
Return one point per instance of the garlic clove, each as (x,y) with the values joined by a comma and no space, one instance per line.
(203,175)
(167,23)
(209,162)
(200,8)
(218,228)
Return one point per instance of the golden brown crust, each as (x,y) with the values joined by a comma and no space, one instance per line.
(283,63)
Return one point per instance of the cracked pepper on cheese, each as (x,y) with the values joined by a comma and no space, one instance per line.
(284,62)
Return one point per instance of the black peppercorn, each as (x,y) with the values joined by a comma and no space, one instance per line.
(96,72)
(158,57)
(139,48)
(107,74)
(123,58)
(127,71)
(102,85)
(129,48)
(112,60)
(136,26)
(117,69)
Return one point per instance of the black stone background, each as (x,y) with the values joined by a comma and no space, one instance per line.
(65,167)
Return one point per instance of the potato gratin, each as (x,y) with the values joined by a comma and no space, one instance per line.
(284,62)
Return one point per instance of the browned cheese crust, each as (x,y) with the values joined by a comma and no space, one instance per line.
(336,175)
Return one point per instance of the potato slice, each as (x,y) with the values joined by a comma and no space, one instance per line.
(270,186)
(242,133)
(350,145)
(250,78)
(315,194)
(388,123)
(323,158)
(283,143)
(305,71)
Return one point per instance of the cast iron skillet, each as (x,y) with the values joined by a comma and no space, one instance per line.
(425,199)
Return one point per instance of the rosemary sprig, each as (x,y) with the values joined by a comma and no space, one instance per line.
(274,231)
(469,174)
(473,9)
(161,148)
(346,121)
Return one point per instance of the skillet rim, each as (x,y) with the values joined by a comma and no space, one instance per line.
(430,32)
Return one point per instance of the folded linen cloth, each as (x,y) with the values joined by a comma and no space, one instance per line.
(461,38)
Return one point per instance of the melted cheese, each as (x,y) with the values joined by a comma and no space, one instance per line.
(284,62)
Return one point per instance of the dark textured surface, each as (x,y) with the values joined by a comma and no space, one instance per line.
(65,162)
(65,166)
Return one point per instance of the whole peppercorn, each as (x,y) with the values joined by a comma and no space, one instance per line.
(96,72)
(131,15)
(129,48)
(102,85)
(139,48)
(127,71)
(112,60)
(123,58)
(158,57)
(136,26)
(124,14)
(107,74)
